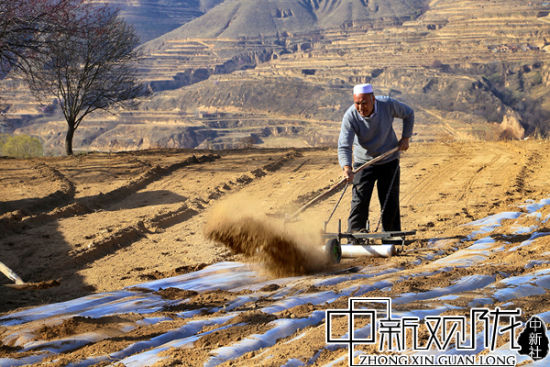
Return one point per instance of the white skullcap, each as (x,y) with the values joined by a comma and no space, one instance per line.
(362,89)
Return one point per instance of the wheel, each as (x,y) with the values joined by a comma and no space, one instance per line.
(333,250)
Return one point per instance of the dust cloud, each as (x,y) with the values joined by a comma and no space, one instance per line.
(282,248)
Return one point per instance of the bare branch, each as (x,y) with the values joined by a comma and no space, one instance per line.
(24,25)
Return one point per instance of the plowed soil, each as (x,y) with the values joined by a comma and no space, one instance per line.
(75,226)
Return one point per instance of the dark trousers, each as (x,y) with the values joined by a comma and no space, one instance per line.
(363,185)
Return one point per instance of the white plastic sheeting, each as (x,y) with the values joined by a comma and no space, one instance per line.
(288,293)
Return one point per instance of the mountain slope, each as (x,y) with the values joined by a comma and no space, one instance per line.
(153,18)
(470,69)
(465,66)
(254,18)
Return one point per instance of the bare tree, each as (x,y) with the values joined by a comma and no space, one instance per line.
(88,64)
(24,25)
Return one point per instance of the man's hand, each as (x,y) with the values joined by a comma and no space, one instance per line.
(348,173)
(403,144)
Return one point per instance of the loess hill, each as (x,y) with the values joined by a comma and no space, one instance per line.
(240,74)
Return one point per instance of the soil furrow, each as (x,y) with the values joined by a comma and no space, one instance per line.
(126,236)
(87,205)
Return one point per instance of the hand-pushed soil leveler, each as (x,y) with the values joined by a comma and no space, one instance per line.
(358,243)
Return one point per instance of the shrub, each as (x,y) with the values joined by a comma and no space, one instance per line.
(21,146)
(3,139)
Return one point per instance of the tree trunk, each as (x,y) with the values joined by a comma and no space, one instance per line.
(69,139)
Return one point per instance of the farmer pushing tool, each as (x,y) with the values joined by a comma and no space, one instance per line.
(366,133)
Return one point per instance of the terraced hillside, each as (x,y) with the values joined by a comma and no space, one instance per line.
(240,34)
(465,66)
(238,18)
(472,70)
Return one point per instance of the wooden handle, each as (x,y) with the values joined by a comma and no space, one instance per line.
(377,159)
(10,274)
(341,183)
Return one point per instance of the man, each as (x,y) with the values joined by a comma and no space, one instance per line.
(367,132)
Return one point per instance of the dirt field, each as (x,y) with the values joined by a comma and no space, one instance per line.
(132,225)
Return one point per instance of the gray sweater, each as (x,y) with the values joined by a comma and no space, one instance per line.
(373,135)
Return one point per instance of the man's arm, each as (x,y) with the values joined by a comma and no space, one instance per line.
(403,111)
(403,144)
(345,148)
(348,173)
